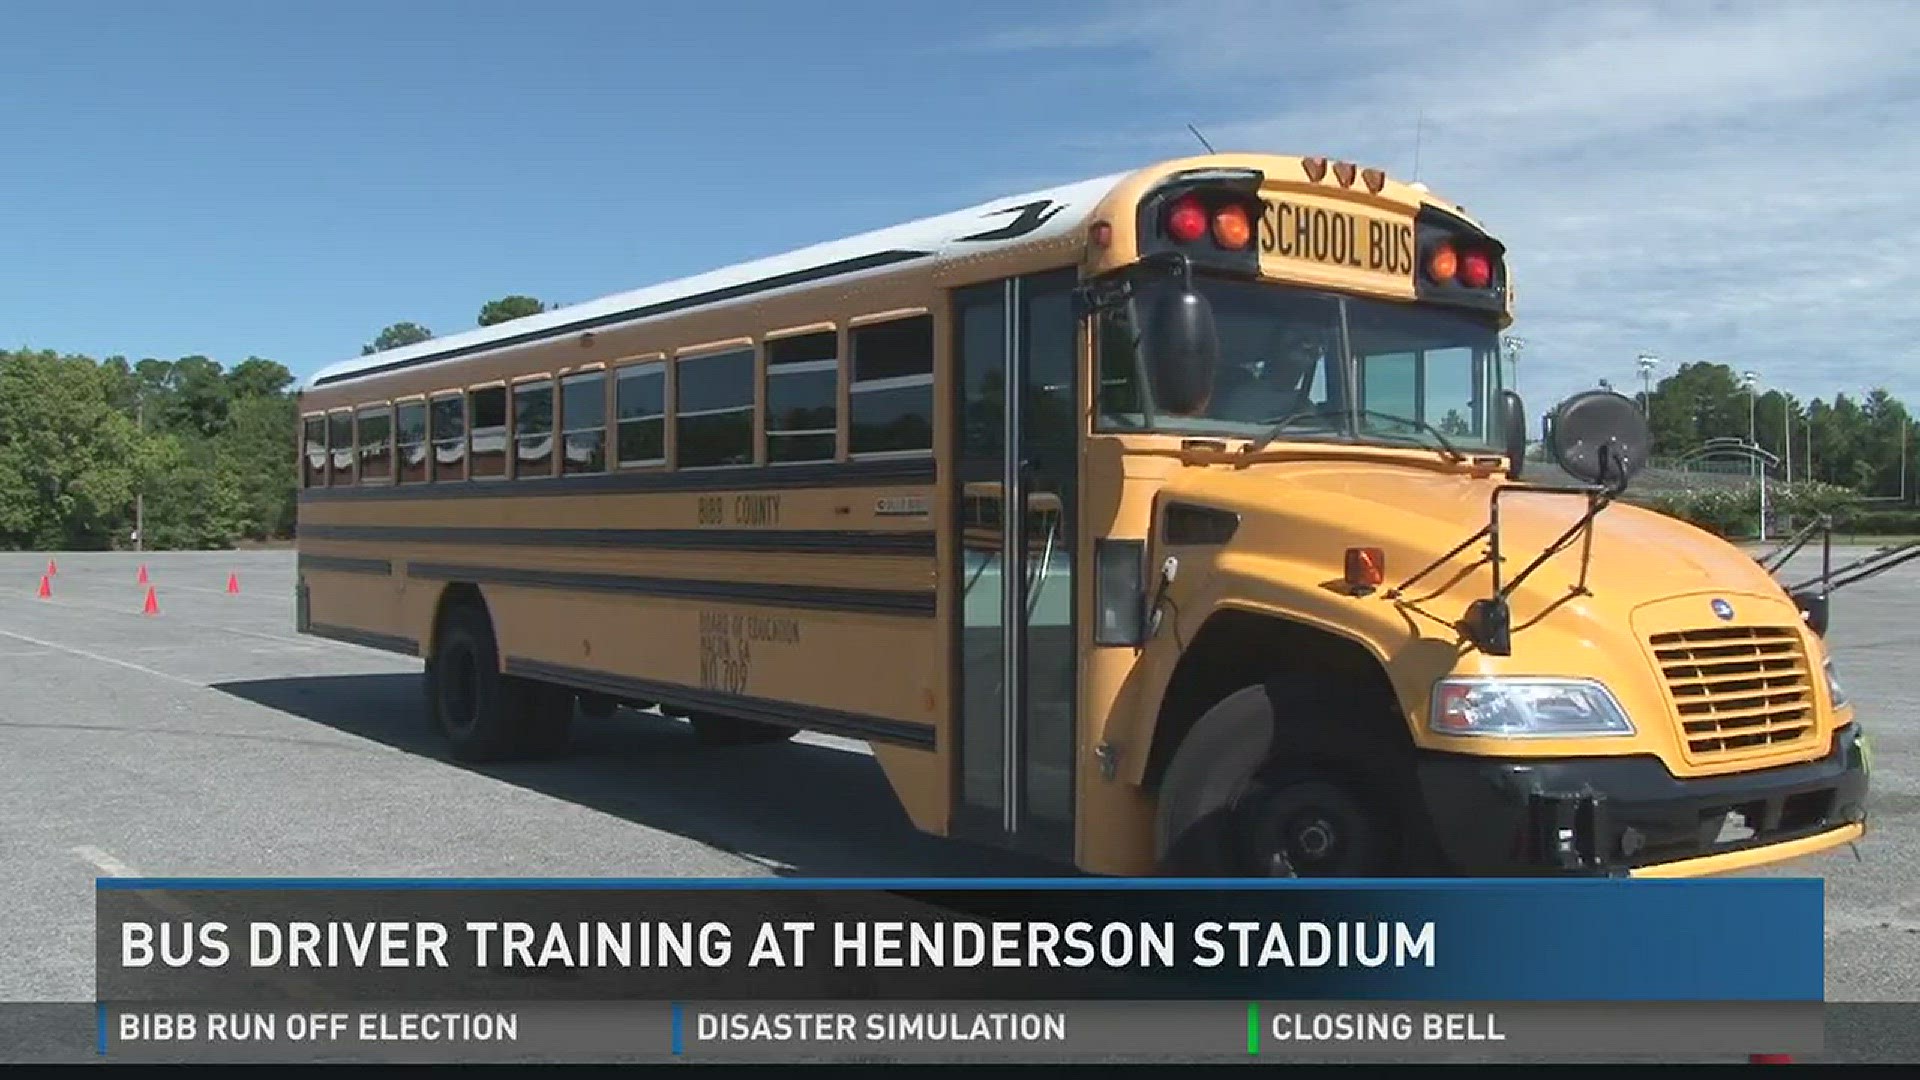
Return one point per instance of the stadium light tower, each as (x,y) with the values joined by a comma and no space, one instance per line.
(1513,344)
(1647,362)
(1752,382)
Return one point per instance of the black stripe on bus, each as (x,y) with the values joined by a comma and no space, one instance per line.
(757,478)
(821,597)
(836,541)
(368,638)
(765,710)
(344,564)
(646,311)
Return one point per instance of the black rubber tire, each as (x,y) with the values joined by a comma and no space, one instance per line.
(713,730)
(478,710)
(1244,770)
(1302,824)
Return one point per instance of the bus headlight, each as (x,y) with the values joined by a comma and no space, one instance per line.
(1527,708)
(1835,692)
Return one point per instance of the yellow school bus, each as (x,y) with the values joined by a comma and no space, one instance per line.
(1286,602)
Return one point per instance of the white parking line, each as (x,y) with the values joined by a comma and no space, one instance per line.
(103,659)
(164,901)
(106,863)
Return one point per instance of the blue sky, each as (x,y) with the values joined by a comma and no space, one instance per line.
(1724,181)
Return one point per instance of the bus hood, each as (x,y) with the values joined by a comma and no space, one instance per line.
(1315,510)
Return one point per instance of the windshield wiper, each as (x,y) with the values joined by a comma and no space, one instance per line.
(1446,447)
(1281,425)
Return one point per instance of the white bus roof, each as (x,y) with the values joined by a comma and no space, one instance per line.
(1018,219)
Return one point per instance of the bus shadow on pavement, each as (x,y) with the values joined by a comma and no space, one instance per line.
(800,808)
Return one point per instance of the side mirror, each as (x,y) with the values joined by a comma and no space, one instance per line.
(1489,625)
(1510,413)
(1814,606)
(1180,346)
(1600,437)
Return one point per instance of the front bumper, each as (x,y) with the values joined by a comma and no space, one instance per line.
(1629,815)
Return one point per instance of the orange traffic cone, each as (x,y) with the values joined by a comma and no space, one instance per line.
(46,588)
(233,584)
(152,606)
(53,568)
(142,579)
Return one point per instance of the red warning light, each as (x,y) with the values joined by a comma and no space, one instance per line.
(1186,220)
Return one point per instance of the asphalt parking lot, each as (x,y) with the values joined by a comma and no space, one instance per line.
(210,739)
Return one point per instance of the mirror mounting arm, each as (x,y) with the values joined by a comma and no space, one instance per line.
(1175,261)
(1489,622)
(1112,290)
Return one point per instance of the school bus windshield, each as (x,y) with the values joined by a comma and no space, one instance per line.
(1331,367)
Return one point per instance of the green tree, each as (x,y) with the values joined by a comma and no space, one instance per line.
(1700,401)
(255,454)
(199,399)
(193,495)
(254,377)
(508,308)
(121,385)
(395,336)
(68,460)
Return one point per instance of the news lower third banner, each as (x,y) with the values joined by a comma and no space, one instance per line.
(1041,969)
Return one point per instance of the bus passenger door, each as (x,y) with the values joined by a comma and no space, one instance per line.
(1013,492)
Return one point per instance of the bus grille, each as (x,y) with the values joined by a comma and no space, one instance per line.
(1738,688)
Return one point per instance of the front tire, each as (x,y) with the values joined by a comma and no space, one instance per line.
(1251,793)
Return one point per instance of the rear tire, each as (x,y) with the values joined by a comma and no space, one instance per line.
(484,714)
(715,730)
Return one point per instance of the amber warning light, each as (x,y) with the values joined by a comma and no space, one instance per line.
(1366,568)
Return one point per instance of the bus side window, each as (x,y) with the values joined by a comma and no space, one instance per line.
(340,448)
(640,414)
(489,454)
(410,441)
(803,392)
(583,419)
(374,425)
(713,416)
(314,473)
(890,400)
(449,433)
(1122,393)
(533,429)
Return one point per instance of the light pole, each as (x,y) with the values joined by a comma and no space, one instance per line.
(1513,344)
(1646,362)
(1786,433)
(1751,381)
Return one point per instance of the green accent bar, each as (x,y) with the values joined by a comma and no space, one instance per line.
(1253,1027)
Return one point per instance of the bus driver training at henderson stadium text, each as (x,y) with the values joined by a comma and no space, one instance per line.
(886,944)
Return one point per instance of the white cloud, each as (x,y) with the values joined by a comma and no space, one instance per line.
(1705,181)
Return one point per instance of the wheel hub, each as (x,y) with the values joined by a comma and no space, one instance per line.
(1315,839)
